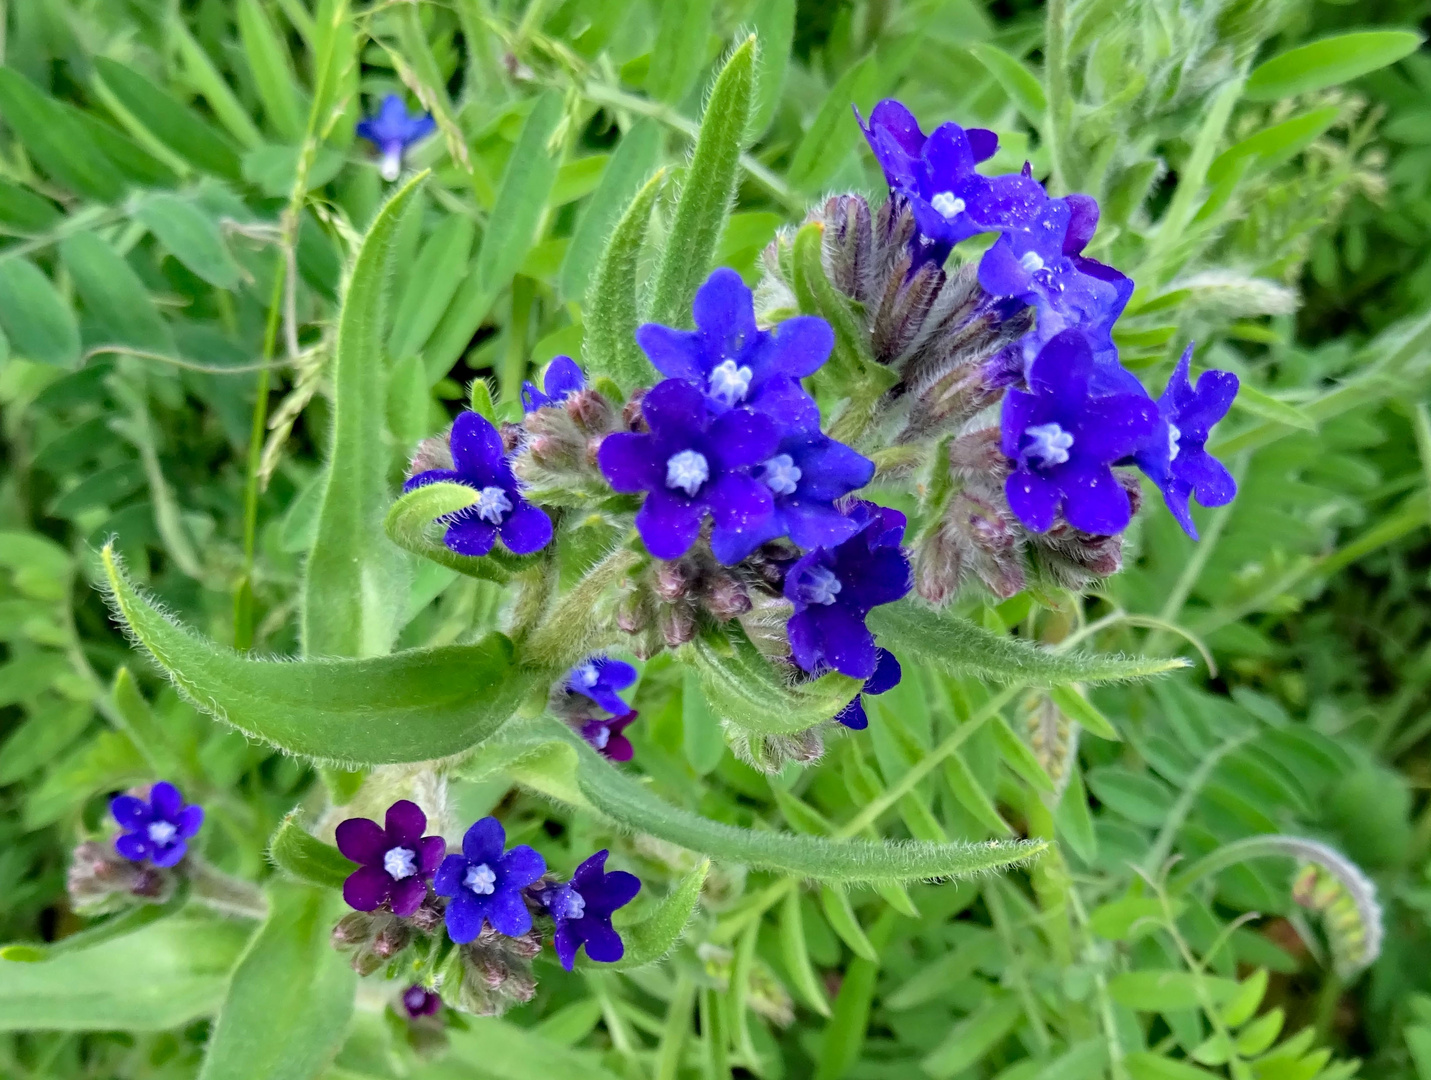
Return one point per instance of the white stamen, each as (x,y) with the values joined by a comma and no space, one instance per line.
(947,204)
(821,585)
(575,904)
(390,167)
(600,737)
(782,474)
(1031,262)
(687,470)
(1050,444)
(730,383)
(491,504)
(1173,436)
(481,880)
(587,675)
(161,832)
(400,862)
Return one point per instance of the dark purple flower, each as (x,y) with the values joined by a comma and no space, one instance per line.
(397,860)
(1063,441)
(696,460)
(563,378)
(420,1001)
(733,361)
(157,829)
(599,678)
(1175,457)
(582,910)
(606,736)
(485,883)
(480,462)
(886,676)
(392,131)
(833,589)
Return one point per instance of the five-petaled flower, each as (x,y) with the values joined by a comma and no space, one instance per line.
(392,131)
(886,676)
(158,828)
(480,462)
(582,907)
(420,1001)
(834,589)
(485,883)
(1063,441)
(397,861)
(600,678)
(563,378)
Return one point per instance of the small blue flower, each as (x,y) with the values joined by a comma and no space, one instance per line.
(886,676)
(599,678)
(157,829)
(485,883)
(563,378)
(480,462)
(582,907)
(392,131)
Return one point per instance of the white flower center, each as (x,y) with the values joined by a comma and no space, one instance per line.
(1173,436)
(391,165)
(575,904)
(587,675)
(600,737)
(821,585)
(1050,444)
(481,879)
(1031,262)
(948,204)
(730,383)
(492,503)
(161,832)
(687,470)
(782,474)
(400,862)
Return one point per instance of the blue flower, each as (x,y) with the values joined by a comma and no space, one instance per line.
(392,131)
(485,883)
(886,676)
(599,678)
(563,378)
(833,589)
(157,829)
(1175,457)
(480,462)
(395,861)
(1063,441)
(582,907)
(732,361)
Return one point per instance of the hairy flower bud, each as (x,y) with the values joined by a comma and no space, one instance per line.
(434,452)
(492,973)
(100,881)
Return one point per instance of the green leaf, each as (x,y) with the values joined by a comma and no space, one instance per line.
(497,1050)
(43,736)
(287,1009)
(744,688)
(272,69)
(836,905)
(1071,702)
(114,297)
(1329,62)
(1167,991)
(774,24)
(974,1036)
(431,282)
(1019,757)
(682,32)
(57,139)
(355,584)
(413,523)
(305,858)
(708,190)
(797,955)
(955,645)
(843,1038)
(1146,1065)
(1129,917)
(1274,144)
(192,237)
(623,177)
(1024,88)
(411,706)
(166,755)
(831,135)
(1264,406)
(137,164)
(656,935)
(40,325)
(169,120)
(701,735)
(25,213)
(200,73)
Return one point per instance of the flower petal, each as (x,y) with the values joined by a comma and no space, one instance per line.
(617,889)
(797,347)
(853,715)
(631,462)
(521,866)
(430,853)
(677,354)
(362,840)
(448,879)
(1093,500)
(1211,482)
(887,674)
(164,797)
(470,536)
(132,846)
(405,823)
(527,529)
(676,409)
(131,812)
(668,524)
(407,895)
(465,915)
(724,313)
(484,841)
(476,444)
(1033,498)
(563,378)
(742,439)
(508,913)
(366,888)
(189,820)
(171,855)
(565,941)
(603,944)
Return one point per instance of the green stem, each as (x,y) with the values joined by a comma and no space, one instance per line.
(225,893)
(1055,74)
(678,1025)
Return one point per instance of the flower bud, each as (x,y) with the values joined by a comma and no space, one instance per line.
(847,251)
(590,411)
(726,597)
(100,881)
(492,973)
(434,452)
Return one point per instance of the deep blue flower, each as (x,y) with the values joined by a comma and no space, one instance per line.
(607,735)
(833,589)
(563,378)
(480,462)
(1175,456)
(733,361)
(420,1001)
(392,131)
(886,676)
(395,860)
(599,678)
(157,829)
(485,883)
(696,460)
(1063,440)
(582,910)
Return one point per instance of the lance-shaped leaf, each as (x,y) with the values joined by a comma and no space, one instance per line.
(623,177)
(744,688)
(303,857)
(955,645)
(411,706)
(656,935)
(415,522)
(609,344)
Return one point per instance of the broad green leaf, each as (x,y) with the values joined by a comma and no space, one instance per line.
(1073,821)
(113,295)
(57,139)
(414,524)
(774,23)
(622,178)
(682,33)
(831,135)
(974,1036)
(1274,144)
(1167,991)
(135,163)
(1129,917)
(272,69)
(744,688)
(656,935)
(430,283)
(303,857)
(1265,407)
(411,706)
(192,237)
(287,1009)
(355,583)
(169,120)
(1022,85)
(40,325)
(972,796)
(1328,62)
(1242,1006)
(936,978)
(707,191)
(1071,702)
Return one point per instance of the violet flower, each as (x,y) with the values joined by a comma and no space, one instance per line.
(485,883)
(1063,442)
(563,378)
(833,589)
(886,676)
(420,1001)
(480,462)
(157,829)
(582,907)
(694,461)
(607,737)
(599,678)
(1176,457)
(397,860)
(736,363)
(392,131)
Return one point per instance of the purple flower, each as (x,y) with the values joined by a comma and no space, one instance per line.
(420,1001)
(886,676)
(599,678)
(157,829)
(485,884)
(1175,457)
(397,861)
(582,911)
(480,463)
(606,736)
(1063,441)
(695,461)
(733,361)
(833,589)
(563,378)
(392,131)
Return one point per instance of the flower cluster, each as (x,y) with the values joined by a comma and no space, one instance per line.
(145,861)
(591,688)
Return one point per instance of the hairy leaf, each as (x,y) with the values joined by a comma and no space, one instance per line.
(744,688)
(303,857)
